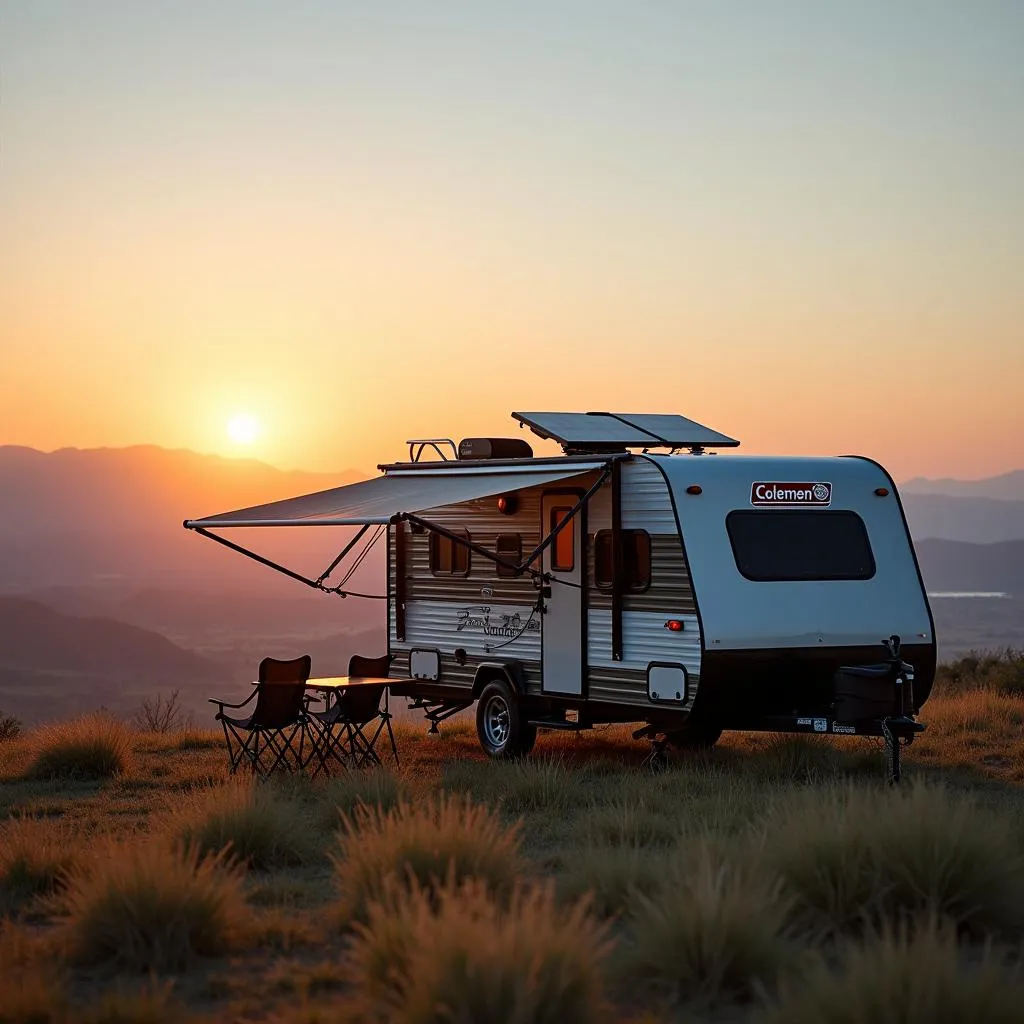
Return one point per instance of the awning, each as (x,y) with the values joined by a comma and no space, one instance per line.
(377,501)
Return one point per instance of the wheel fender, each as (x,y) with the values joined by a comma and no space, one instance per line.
(510,672)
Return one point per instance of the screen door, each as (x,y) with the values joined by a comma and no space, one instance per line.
(562,623)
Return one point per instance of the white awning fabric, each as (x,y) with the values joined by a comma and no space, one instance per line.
(378,500)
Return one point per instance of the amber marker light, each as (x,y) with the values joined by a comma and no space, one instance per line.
(674,625)
(881,491)
(694,489)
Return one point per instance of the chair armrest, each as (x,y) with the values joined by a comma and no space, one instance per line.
(225,704)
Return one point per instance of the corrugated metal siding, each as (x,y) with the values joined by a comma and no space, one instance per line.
(644,639)
(437,624)
(646,504)
(670,591)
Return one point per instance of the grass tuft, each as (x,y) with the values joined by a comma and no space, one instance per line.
(432,844)
(895,979)
(92,747)
(714,934)
(35,858)
(149,907)
(612,877)
(857,858)
(458,955)
(255,823)
(344,794)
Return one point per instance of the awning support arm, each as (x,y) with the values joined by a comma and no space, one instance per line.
(550,538)
(315,584)
(344,551)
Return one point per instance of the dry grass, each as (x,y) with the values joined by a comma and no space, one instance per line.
(918,977)
(93,747)
(444,841)
(146,907)
(715,932)
(582,815)
(35,858)
(856,857)
(458,955)
(261,825)
(344,794)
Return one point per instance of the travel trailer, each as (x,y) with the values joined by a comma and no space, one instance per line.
(635,578)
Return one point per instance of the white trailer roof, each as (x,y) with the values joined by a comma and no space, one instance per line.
(378,500)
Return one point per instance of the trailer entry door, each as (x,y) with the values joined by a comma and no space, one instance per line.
(562,623)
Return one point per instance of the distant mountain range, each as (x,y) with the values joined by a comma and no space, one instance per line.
(1006,487)
(33,636)
(110,520)
(114,516)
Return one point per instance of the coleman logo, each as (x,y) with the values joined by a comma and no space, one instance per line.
(788,493)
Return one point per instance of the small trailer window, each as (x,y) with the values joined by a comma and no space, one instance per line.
(509,548)
(636,560)
(800,544)
(563,548)
(448,557)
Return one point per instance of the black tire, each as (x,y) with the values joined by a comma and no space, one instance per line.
(695,735)
(500,725)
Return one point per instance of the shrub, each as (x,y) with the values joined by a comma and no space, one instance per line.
(1001,671)
(151,907)
(162,714)
(344,794)
(430,844)
(93,747)
(10,727)
(457,955)
(865,857)
(257,824)
(896,979)
(35,857)
(713,934)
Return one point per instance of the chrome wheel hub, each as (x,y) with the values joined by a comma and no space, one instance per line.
(496,721)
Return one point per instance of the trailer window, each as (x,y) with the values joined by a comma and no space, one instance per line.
(636,560)
(563,548)
(800,544)
(509,547)
(447,556)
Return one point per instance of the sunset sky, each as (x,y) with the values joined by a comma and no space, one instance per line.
(333,226)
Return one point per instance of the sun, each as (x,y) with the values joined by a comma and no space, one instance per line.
(243,428)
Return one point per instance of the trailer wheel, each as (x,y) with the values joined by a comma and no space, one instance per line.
(695,736)
(500,726)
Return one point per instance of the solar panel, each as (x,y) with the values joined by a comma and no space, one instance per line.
(589,431)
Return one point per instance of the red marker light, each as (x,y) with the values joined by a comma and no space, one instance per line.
(694,489)
(674,625)
(881,491)
(506,505)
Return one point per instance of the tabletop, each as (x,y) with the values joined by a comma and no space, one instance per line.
(344,682)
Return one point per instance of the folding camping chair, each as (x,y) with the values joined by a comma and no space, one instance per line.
(264,740)
(345,727)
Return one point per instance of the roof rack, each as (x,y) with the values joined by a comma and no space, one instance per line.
(418,445)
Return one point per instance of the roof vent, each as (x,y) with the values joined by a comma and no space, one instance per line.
(494,448)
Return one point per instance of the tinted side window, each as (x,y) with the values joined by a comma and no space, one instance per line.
(636,559)
(509,548)
(801,544)
(447,557)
